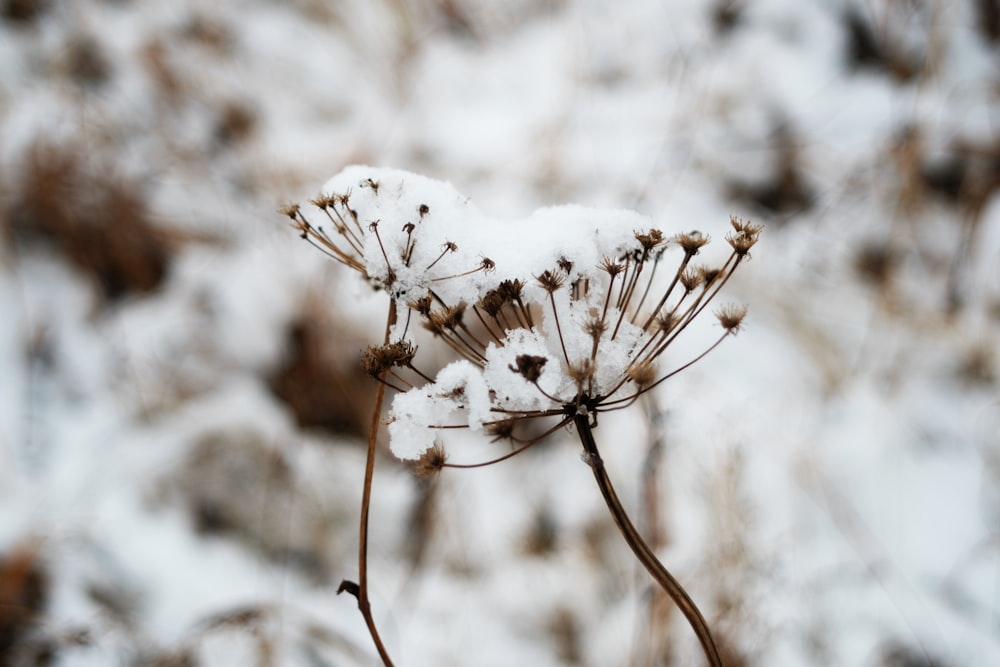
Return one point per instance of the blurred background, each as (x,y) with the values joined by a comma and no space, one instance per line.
(182,416)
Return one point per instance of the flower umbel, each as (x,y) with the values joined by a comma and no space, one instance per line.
(554,319)
(586,295)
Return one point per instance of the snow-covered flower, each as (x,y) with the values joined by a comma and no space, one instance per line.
(564,313)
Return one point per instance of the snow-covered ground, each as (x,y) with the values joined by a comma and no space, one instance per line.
(182,416)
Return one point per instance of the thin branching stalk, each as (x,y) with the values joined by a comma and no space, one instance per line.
(639,547)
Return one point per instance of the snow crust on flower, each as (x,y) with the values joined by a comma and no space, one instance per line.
(422,237)
(510,390)
(518,249)
(459,386)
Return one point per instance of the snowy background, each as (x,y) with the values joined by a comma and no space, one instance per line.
(181,410)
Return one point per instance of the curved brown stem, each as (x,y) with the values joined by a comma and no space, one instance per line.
(639,547)
(360,589)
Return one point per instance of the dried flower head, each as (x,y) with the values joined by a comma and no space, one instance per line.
(550,281)
(529,352)
(643,374)
(691,242)
(529,349)
(743,237)
(529,366)
(731,316)
(431,462)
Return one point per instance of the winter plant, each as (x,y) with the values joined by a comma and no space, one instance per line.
(553,319)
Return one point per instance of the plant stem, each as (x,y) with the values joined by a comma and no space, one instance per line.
(360,590)
(639,547)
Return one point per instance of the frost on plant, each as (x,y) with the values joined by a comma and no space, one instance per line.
(566,312)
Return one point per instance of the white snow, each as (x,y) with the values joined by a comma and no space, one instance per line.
(865,412)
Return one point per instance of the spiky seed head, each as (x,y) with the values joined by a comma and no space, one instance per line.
(611,267)
(731,316)
(642,374)
(291,210)
(434,322)
(422,305)
(529,366)
(323,202)
(595,327)
(431,462)
(650,240)
(400,353)
(744,235)
(665,322)
(452,317)
(511,289)
(744,226)
(377,359)
(492,302)
(550,281)
(487,264)
(565,265)
(692,242)
(373,361)
(690,279)
(709,274)
(500,430)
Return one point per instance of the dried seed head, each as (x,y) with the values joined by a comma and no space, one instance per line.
(745,226)
(595,327)
(611,267)
(431,462)
(511,289)
(642,374)
(744,236)
(291,210)
(422,305)
(565,265)
(373,362)
(487,264)
(424,210)
(452,317)
(708,275)
(323,202)
(448,319)
(401,352)
(529,366)
(500,430)
(492,302)
(665,322)
(550,281)
(691,242)
(650,239)
(690,279)
(377,359)
(731,316)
